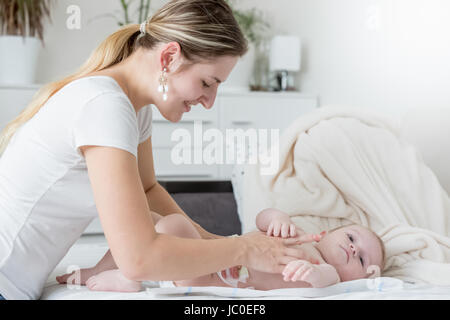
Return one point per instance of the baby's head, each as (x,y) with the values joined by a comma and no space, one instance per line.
(352,250)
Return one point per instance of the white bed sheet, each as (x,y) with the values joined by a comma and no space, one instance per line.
(89,249)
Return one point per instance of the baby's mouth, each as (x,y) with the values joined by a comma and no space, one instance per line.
(346,252)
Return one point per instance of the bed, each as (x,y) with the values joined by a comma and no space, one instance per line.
(216,206)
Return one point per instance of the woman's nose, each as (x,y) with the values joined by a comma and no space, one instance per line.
(208,101)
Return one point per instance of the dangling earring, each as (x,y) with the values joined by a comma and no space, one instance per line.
(163,87)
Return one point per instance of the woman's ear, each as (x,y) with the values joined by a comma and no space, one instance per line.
(171,57)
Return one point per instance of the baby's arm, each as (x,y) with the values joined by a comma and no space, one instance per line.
(319,276)
(276,223)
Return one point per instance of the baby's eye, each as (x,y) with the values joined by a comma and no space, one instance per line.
(362,261)
(205,85)
(350,237)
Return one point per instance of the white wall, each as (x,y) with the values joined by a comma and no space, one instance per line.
(371,53)
(383,54)
(66,49)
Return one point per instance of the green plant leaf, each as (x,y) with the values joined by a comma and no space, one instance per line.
(24,17)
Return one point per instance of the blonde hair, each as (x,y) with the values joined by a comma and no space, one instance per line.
(204,29)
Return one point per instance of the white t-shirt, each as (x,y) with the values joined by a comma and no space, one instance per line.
(46,200)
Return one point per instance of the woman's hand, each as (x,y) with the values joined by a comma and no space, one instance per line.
(270,254)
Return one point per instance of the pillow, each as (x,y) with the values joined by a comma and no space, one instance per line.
(428,129)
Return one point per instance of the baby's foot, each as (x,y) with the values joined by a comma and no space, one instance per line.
(112,280)
(78,277)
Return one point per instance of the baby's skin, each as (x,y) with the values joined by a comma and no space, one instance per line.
(342,255)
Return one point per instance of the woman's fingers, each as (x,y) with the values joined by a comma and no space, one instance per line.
(309,238)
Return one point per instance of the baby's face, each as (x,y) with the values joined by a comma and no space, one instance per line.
(351,250)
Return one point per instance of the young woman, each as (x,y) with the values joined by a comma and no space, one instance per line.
(83,149)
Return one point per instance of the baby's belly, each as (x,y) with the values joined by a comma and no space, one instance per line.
(269,281)
(257,280)
(210,280)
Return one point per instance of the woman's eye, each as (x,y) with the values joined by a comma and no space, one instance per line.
(205,84)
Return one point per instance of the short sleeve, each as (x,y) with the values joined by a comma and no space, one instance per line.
(107,120)
(145,116)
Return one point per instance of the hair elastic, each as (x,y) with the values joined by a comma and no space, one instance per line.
(143,27)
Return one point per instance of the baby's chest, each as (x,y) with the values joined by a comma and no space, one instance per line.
(311,251)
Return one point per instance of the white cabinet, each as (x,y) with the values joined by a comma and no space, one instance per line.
(257,112)
(248,111)
(232,111)
(13,99)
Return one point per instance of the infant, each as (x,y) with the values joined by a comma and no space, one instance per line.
(342,254)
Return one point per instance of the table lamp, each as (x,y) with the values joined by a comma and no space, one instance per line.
(285,57)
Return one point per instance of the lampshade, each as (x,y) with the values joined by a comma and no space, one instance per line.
(285,53)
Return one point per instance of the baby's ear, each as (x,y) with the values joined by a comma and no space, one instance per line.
(373,271)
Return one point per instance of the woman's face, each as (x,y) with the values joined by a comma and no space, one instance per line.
(192,85)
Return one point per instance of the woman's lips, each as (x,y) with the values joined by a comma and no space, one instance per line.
(187,107)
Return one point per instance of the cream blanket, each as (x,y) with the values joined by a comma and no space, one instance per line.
(340,166)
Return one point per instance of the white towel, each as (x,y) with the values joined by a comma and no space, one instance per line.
(340,166)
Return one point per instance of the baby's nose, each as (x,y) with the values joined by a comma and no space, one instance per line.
(353,248)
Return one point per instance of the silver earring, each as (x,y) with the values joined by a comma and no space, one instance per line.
(163,87)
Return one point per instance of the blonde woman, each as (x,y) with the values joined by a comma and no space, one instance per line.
(83,149)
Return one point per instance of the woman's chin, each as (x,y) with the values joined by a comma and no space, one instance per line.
(174,117)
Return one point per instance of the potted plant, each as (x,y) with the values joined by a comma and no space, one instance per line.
(250,70)
(21,37)
(131,12)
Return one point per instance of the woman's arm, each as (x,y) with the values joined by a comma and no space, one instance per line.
(143,254)
(159,200)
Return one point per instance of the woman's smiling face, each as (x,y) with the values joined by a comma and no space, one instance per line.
(194,84)
(351,250)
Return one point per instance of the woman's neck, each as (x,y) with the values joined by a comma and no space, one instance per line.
(132,79)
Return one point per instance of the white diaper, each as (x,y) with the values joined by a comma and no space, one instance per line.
(243,276)
(167,284)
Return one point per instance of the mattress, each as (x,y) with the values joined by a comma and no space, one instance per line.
(88,250)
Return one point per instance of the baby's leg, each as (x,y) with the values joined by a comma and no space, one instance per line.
(107,263)
(114,280)
(178,225)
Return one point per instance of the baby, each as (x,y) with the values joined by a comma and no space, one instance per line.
(342,254)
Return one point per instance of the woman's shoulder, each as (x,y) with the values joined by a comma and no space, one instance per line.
(100,90)
(92,85)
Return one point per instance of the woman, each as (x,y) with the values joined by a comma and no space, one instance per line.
(82,149)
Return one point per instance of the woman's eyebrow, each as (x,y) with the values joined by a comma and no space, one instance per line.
(217,80)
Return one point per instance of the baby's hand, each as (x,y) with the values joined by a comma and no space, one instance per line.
(282,227)
(302,270)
